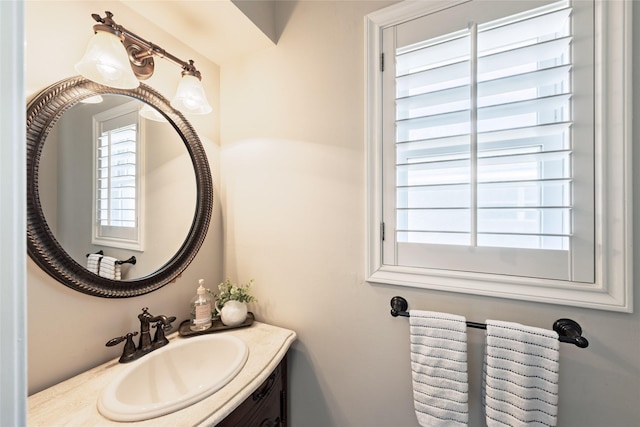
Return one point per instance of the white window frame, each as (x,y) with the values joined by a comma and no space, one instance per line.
(612,288)
(99,236)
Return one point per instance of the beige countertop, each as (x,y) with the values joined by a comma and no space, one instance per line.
(74,402)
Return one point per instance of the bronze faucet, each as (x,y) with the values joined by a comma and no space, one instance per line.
(145,345)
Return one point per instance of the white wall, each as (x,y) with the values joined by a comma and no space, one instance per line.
(292,163)
(67,330)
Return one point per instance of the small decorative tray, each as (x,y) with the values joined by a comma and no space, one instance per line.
(216,326)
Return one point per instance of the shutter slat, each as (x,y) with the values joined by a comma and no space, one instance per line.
(447,52)
(457,98)
(400,231)
(511,137)
(496,195)
(444,77)
(505,220)
(457,73)
(493,118)
(485,159)
(487,240)
(494,35)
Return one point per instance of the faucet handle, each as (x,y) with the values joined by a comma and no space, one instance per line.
(168,326)
(159,338)
(162,326)
(165,323)
(129,350)
(118,340)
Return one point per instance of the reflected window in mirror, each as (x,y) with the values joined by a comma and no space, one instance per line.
(118,178)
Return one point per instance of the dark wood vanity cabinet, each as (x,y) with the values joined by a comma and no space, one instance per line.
(267,406)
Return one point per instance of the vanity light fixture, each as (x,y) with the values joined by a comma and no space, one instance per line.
(118,58)
(150,113)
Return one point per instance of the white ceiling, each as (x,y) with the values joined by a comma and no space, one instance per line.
(217,29)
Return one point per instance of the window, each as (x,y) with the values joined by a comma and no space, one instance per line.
(490,152)
(118,177)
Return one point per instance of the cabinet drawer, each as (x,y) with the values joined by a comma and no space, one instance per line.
(266,406)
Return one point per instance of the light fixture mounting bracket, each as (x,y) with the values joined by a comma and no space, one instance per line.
(141,59)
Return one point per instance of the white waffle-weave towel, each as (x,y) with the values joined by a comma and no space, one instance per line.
(439,368)
(520,375)
(93,263)
(110,268)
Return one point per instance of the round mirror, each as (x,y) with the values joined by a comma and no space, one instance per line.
(147,205)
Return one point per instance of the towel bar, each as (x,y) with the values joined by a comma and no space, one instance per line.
(131,260)
(568,330)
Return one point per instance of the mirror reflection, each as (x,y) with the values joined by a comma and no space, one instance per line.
(111,180)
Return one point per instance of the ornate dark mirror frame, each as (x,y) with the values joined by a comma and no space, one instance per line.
(43,111)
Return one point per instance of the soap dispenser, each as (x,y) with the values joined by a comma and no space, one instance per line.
(200,309)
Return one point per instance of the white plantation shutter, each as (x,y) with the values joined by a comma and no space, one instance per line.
(483,145)
(118,177)
(499,149)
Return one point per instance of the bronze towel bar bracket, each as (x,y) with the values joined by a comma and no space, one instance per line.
(131,260)
(568,330)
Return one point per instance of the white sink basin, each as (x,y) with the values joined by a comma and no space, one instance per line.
(173,377)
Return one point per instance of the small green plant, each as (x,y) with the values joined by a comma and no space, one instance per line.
(228,291)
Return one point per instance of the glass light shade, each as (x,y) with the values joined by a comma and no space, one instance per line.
(95,99)
(190,97)
(106,62)
(150,113)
